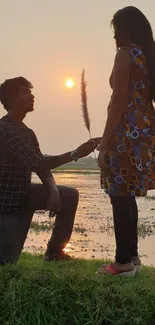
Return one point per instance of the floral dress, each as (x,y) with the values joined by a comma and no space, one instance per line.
(130,159)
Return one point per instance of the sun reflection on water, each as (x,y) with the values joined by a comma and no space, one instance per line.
(66,249)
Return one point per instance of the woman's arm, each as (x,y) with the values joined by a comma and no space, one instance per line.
(119,99)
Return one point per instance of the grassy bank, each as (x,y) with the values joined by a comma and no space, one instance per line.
(86,165)
(35,292)
(72,170)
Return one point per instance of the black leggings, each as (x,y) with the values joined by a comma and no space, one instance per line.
(125,214)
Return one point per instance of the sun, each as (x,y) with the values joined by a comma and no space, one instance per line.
(70,83)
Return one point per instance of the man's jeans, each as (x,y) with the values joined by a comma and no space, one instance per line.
(13,230)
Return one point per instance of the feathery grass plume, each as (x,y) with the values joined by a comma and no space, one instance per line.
(84,102)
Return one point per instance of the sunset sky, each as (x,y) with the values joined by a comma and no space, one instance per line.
(47,41)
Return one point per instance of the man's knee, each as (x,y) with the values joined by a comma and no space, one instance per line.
(69,193)
(74,193)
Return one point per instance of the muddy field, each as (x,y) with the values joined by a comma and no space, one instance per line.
(93,235)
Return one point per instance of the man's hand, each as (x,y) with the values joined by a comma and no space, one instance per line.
(53,202)
(103,159)
(86,148)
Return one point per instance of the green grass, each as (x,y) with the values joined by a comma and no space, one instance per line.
(80,230)
(41,226)
(148,197)
(145,228)
(35,292)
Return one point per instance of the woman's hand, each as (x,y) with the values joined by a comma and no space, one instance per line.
(103,159)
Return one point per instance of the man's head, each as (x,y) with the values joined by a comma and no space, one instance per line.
(15,94)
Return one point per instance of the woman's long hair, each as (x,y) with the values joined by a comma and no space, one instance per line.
(132,22)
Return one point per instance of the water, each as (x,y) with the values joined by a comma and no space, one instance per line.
(93,235)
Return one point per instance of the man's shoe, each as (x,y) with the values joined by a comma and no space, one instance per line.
(57,256)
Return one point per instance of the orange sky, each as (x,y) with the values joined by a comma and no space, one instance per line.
(47,41)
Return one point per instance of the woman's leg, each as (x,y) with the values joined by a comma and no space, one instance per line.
(123,225)
(122,215)
(134,246)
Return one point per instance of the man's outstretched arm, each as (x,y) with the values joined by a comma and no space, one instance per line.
(11,139)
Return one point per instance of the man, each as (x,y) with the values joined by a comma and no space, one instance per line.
(20,155)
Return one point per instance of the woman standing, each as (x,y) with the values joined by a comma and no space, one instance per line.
(126,154)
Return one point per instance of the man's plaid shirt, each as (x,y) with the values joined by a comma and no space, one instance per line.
(19,156)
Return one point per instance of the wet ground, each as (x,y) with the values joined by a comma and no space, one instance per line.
(93,235)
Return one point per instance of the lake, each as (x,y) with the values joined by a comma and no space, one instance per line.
(93,234)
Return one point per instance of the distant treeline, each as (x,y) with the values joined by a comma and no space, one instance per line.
(83,163)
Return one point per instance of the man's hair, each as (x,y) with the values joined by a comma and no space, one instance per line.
(10,88)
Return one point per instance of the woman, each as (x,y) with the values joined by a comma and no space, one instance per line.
(126,154)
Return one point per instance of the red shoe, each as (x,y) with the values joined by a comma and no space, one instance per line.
(112,270)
